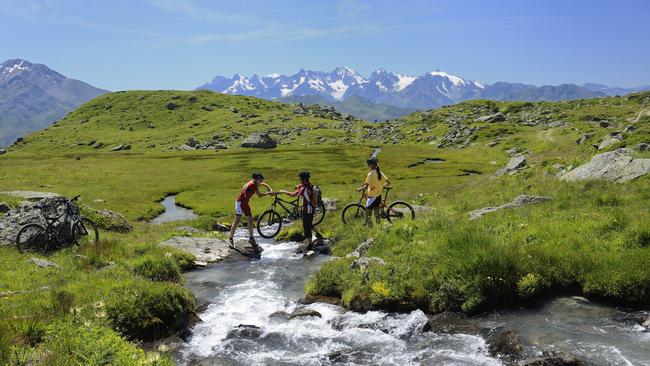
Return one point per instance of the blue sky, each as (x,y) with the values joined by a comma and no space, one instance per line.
(164,44)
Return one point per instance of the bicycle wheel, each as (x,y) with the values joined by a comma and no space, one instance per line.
(31,238)
(85,232)
(353,213)
(400,210)
(319,214)
(269,224)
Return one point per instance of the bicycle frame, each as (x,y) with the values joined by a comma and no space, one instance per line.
(293,206)
(52,230)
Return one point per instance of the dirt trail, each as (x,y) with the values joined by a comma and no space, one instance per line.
(641,114)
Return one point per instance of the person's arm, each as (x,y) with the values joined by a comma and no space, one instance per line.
(388,182)
(260,194)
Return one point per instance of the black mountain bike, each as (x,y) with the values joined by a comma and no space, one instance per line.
(270,221)
(63,230)
(356,212)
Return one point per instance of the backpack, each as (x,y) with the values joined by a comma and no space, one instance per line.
(319,195)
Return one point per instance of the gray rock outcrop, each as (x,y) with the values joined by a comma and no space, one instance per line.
(616,166)
(208,250)
(516,163)
(519,201)
(260,141)
(497,117)
(29,213)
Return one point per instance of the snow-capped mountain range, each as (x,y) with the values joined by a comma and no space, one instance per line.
(381,86)
(430,90)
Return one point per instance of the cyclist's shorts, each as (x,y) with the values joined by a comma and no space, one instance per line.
(242,208)
(373,202)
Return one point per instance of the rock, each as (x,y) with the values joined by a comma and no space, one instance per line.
(279,316)
(451,322)
(234,110)
(98,145)
(32,196)
(185,147)
(19,140)
(4,207)
(365,262)
(515,164)
(504,343)
(558,359)
(361,249)
(330,203)
(259,140)
(191,142)
(519,201)
(512,151)
(210,250)
(310,299)
(171,106)
(584,137)
(604,124)
(245,331)
(207,108)
(642,147)
(44,263)
(3,151)
(121,148)
(608,141)
(29,213)
(497,117)
(304,312)
(615,166)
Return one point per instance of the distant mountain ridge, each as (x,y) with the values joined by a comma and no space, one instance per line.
(427,91)
(33,96)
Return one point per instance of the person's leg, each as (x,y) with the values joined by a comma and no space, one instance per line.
(307,224)
(235,224)
(376,210)
(369,205)
(249,218)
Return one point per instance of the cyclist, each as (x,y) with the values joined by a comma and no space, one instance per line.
(309,201)
(243,208)
(375,183)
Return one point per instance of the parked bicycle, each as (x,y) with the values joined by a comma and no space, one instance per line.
(269,223)
(61,230)
(398,210)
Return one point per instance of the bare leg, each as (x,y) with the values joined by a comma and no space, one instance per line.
(376,210)
(369,217)
(234,226)
(250,226)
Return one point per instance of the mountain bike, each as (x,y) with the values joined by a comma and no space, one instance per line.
(270,221)
(398,210)
(62,230)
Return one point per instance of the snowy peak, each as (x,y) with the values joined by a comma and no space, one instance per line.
(17,65)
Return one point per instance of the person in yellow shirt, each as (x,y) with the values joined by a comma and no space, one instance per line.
(375,183)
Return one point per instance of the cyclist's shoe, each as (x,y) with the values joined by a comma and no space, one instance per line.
(252,241)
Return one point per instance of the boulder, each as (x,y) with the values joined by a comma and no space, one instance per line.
(311,299)
(121,148)
(504,343)
(245,331)
(29,213)
(209,250)
(191,142)
(3,151)
(4,207)
(584,137)
(171,106)
(279,316)
(108,220)
(259,140)
(616,166)
(519,201)
(558,359)
(642,147)
(31,196)
(304,312)
(515,164)
(365,262)
(608,141)
(497,117)
(361,249)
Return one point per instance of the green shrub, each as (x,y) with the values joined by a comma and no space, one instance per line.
(146,310)
(183,259)
(531,285)
(291,233)
(158,268)
(70,342)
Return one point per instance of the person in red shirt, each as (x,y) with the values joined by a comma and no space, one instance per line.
(305,190)
(243,208)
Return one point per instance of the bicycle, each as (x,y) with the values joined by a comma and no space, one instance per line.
(269,223)
(356,212)
(74,229)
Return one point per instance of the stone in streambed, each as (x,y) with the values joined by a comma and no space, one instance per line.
(304,312)
(245,331)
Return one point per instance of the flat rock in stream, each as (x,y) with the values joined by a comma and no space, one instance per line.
(559,359)
(304,312)
(209,250)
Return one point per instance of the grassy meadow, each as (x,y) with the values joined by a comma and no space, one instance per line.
(591,239)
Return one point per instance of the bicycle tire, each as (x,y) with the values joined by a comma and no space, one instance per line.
(85,231)
(352,213)
(319,214)
(399,210)
(266,224)
(36,241)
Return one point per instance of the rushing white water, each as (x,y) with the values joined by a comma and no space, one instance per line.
(248,293)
